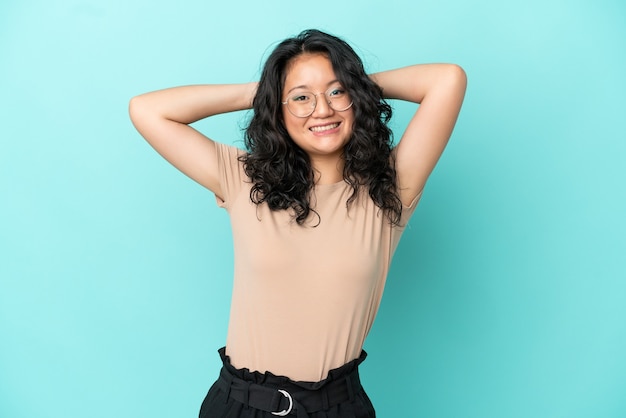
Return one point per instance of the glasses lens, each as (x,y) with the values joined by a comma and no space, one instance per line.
(338,99)
(302,104)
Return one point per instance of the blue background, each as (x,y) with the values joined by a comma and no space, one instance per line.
(507,297)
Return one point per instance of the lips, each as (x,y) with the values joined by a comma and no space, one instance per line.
(324,128)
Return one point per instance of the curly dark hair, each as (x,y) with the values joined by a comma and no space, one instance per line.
(281,171)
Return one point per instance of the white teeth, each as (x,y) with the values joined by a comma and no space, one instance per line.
(324,128)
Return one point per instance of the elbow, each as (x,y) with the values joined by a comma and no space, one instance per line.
(134,105)
(139,113)
(138,110)
(452,80)
(457,76)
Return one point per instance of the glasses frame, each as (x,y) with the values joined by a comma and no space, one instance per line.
(314,106)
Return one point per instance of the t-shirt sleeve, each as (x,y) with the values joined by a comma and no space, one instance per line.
(398,230)
(407,211)
(231,175)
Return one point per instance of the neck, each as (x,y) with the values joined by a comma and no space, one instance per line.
(328,172)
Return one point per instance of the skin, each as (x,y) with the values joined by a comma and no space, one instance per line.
(439,89)
(324,133)
(163,118)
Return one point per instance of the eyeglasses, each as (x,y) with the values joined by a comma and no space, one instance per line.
(302,104)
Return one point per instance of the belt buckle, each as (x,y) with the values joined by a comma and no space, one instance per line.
(285,412)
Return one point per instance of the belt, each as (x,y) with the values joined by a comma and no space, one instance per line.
(283,401)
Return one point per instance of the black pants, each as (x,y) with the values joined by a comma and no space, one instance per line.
(239,393)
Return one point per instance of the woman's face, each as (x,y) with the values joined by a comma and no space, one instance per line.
(324,133)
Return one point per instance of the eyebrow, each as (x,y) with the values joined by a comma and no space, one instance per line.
(304,86)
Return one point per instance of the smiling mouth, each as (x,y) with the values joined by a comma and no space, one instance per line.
(324,127)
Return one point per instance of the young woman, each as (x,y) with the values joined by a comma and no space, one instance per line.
(318,202)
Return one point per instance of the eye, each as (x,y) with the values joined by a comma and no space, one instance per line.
(301,97)
(336,92)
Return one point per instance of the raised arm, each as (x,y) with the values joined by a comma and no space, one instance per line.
(439,89)
(163,117)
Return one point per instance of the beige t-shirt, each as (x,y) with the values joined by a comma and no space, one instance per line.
(304,297)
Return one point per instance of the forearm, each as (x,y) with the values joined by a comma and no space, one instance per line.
(416,82)
(189,104)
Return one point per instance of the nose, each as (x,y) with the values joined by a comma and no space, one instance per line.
(322,107)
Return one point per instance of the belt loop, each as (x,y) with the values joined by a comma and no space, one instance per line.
(324,394)
(246,395)
(229,383)
(350,388)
